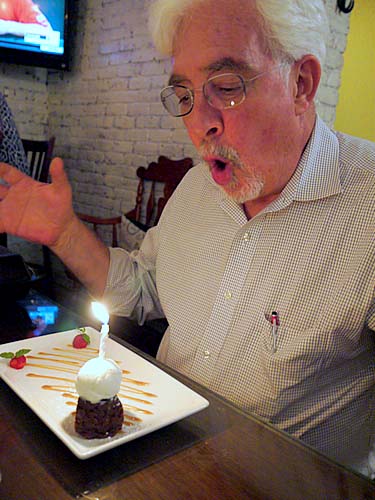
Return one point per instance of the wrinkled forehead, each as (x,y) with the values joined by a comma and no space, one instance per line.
(215,30)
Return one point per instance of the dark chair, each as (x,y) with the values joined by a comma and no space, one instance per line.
(39,156)
(166,171)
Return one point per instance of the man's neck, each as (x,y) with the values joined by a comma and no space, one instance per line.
(253,207)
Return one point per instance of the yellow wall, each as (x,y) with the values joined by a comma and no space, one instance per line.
(355,112)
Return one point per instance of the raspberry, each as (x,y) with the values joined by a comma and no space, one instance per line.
(18,363)
(17,360)
(81,340)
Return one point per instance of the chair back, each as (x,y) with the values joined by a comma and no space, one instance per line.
(166,171)
(39,156)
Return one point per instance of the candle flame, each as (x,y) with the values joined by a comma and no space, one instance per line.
(100,312)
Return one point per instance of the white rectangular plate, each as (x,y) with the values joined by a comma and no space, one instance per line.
(151,398)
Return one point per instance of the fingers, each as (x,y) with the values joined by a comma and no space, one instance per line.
(58,175)
(10,174)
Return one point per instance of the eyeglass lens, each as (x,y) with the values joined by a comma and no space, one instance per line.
(222,91)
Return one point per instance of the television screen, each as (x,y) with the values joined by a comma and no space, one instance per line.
(35,33)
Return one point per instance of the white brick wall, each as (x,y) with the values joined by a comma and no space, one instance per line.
(106,112)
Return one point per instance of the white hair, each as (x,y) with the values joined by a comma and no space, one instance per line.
(291,28)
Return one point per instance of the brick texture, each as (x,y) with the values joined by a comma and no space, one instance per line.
(106,114)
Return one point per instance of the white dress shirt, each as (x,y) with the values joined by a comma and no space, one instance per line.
(309,256)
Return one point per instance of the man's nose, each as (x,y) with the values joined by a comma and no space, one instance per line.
(204,121)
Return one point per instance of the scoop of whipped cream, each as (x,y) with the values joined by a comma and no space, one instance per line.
(99,378)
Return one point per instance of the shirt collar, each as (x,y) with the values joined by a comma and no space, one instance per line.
(318,170)
(317,175)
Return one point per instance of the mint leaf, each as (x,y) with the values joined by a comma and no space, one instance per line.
(7,355)
(86,337)
(82,329)
(22,352)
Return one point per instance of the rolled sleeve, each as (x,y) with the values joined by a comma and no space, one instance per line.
(130,289)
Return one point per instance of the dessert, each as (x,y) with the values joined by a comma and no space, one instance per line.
(81,341)
(99,411)
(18,359)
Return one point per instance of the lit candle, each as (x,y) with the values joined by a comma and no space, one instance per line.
(101,313)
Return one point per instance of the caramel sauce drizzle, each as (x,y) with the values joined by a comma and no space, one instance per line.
(138,391)
(138,410)
(136,382)
(78,358)
(133,418)
(71,396)
(69,357)
(87,348)
(144,401)
(36,375)
(84,352)
(59,388)
(54,368)
(62,361)
(86,357)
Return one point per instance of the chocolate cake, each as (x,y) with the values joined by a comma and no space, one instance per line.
(99,410)
(99,420)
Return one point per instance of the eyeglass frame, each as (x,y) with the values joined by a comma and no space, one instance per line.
(243,81)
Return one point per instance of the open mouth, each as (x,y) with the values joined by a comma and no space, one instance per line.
(220,165)
(221,170)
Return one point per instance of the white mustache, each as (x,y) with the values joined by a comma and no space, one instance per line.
(224,152)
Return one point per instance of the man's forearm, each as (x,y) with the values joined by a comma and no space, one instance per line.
(85,256)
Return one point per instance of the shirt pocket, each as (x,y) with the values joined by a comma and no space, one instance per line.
(293,353)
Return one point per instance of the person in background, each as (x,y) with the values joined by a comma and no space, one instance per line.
(263,261)
(11,149)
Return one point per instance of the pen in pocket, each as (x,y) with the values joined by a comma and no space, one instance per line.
(275,326)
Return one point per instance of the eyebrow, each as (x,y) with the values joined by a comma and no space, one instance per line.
(229,64)
(225,63)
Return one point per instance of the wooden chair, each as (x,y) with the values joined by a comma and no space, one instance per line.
(165,171)
(39,156)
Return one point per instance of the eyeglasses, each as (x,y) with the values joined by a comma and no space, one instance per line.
(223,91)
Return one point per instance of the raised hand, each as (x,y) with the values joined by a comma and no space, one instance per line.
(33,210)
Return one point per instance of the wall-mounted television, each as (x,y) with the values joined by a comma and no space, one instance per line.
(36,33)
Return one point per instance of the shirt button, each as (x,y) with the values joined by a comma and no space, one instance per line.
(246,236)
(228,295)
(206,354)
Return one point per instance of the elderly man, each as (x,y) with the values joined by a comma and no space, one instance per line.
(263,260)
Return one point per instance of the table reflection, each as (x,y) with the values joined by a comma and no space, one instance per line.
(35,315)
(32,316)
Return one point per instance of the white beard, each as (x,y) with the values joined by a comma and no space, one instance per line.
(253,184)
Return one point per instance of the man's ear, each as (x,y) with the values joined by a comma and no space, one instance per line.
(306,73)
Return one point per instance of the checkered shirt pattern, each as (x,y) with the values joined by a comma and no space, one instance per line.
(309,256)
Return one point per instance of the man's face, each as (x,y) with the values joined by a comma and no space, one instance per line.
(251,149)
